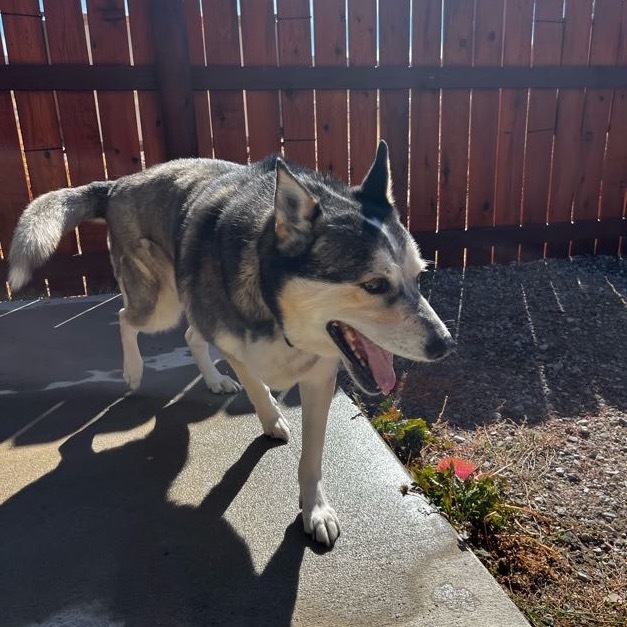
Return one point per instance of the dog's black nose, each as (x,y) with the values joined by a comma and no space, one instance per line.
(439,347)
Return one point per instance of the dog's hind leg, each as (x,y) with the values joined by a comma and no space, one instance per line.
(216,381)
(266,407)
(145,275)
(133,363)
(316,393)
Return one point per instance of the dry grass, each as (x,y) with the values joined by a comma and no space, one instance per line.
(553,570)
(536,392)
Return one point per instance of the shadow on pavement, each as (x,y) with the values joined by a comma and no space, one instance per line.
(98,531)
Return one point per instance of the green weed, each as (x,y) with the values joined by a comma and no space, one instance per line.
(472,501)
(405,436)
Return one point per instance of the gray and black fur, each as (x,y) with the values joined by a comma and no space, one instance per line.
(287,271)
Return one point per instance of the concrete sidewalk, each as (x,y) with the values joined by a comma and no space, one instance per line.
(168,508)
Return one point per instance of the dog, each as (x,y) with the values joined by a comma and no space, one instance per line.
(285,270)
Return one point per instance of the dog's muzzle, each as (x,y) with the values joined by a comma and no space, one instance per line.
(439,347)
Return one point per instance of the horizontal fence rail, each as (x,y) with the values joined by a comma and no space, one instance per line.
(506,119)
(225,78)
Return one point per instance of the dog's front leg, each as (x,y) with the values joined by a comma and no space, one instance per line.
(268,412)
(216,381)
(316,393)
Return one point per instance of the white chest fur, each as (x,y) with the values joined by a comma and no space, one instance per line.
(277,364)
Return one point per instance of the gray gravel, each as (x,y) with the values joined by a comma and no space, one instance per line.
(536,340)
(545,344)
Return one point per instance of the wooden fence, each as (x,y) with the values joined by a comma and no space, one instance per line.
(506,119)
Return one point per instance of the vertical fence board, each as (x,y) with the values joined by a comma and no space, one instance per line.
(614,190)
(614,181)
(193,21)
(294,33)
(484,116)
(589,163)
(150,115)
(457,50)
(394,25)
(227,107)
(67,43)
(512,125)
(604,49)
(109,45)
(37,110)
(12,174)
(259,48)
(425,124)
(174,78)
(39,123)
(578,21)
(547,48)
(65,30)
(331,105)
(362,50)
(13,181)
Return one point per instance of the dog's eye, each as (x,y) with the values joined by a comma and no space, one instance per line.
(376,286)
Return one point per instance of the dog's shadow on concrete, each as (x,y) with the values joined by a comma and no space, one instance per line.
(98,532)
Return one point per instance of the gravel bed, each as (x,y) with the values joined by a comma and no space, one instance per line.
(543,344)
(537,339)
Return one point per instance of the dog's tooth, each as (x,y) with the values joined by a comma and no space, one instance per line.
(350,337)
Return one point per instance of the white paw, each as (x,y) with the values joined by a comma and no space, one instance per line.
(278,428)
(223,385)
(322,524)
(133,371)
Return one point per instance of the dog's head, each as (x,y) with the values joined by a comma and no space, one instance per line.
(348,275)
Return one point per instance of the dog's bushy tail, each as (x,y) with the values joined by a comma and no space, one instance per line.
(46,220)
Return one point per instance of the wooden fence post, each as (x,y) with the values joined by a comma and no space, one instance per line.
(169,31)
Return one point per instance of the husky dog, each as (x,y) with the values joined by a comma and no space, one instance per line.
(285,270)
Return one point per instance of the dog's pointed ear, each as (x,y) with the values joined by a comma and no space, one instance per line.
(295,211)
(377,184)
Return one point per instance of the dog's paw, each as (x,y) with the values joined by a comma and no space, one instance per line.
(133,371)
(223,385)
(277,428)
(322,524)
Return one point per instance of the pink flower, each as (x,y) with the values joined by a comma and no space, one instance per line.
(461,467)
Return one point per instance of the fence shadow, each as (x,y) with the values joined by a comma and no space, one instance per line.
(536,340)
(99,532)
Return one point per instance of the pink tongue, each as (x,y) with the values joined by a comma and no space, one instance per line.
(380,362)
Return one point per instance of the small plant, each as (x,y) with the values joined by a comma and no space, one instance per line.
(406,436)
(470,500)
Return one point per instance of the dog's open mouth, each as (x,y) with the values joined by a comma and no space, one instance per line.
(370,365)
